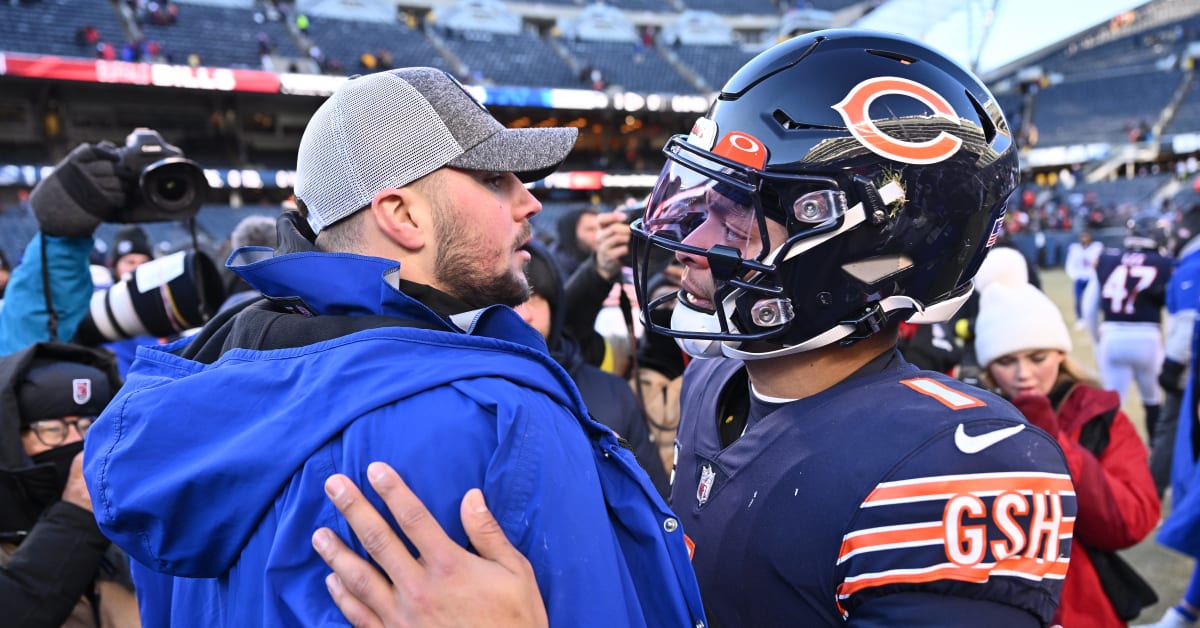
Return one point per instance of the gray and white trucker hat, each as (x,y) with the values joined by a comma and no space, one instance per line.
(391,128)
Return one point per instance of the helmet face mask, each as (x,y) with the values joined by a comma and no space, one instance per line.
(840,177)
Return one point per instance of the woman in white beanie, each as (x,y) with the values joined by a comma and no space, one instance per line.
(1003,264)
(1023,343)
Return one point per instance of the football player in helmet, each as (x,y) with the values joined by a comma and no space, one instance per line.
(842,182)
(1123,306)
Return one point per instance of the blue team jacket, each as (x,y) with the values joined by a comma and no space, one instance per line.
(23,317)
(214,472)
(1179,529)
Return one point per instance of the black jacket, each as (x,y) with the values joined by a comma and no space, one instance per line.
(59,548)
(609,398)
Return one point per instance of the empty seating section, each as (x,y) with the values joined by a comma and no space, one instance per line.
(347,40)
(1136,190)
(1010,104)
(1101,110)
(1187,117)
(654,6)
(631,67)
(832,5)
(735,7)
(223,37)
(48,27)
(517,60)
(1127,51)
(715,64)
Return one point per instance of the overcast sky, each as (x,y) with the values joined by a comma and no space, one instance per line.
(1020,26)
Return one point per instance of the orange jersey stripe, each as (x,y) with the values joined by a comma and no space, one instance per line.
(946,486)
(913,535)
(875,539)
(1018,567)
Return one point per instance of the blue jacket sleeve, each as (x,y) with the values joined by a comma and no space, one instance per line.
(24,317)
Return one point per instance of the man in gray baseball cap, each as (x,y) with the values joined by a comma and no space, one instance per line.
(383,335)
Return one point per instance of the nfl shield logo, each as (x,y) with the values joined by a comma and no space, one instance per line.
(81,390)
(707,477)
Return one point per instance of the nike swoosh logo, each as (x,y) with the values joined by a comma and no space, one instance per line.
(980,442)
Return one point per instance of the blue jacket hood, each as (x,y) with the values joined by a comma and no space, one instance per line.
(185,462)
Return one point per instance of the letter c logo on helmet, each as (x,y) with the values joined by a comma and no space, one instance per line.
(855,111)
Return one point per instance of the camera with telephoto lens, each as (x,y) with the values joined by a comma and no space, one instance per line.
(163,298)
(160,184)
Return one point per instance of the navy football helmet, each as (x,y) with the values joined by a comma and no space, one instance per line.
(840,179)
(1147,232)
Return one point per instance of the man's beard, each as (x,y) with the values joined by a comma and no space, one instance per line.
(461,273)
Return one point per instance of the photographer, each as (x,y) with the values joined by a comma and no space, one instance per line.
(591,283)
(82,191)
(56,568)
(49,293)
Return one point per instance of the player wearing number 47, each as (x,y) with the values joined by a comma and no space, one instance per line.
(1123,305)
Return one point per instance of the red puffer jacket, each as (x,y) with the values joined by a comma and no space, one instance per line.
(1118,505)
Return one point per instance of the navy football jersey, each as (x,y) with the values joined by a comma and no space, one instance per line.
(1133,285)
(901,487)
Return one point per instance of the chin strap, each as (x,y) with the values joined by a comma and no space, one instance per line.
(864,326)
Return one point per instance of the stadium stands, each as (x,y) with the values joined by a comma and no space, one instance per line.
(1135,190)
(49,27)
(715,64)
(631,67)
(523,59)
(832,5)
(653,6)
(347,40)
(1187,117)
(738,7)
(224,37)
(1101,109)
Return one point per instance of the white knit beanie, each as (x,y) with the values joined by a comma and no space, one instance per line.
(1002,264)
(1017,317)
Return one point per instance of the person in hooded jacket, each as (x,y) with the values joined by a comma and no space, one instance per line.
(56,568)
(1024,346)
(385,334)
(576,233)
(1183,299)
(609,398)
(1175,457)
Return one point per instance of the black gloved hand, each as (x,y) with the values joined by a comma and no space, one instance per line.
(1171,376)
(81,192)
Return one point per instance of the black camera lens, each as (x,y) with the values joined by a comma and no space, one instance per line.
(170,188)
(159,182)
(173,186)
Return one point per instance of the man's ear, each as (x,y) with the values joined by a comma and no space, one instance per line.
(399,215)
